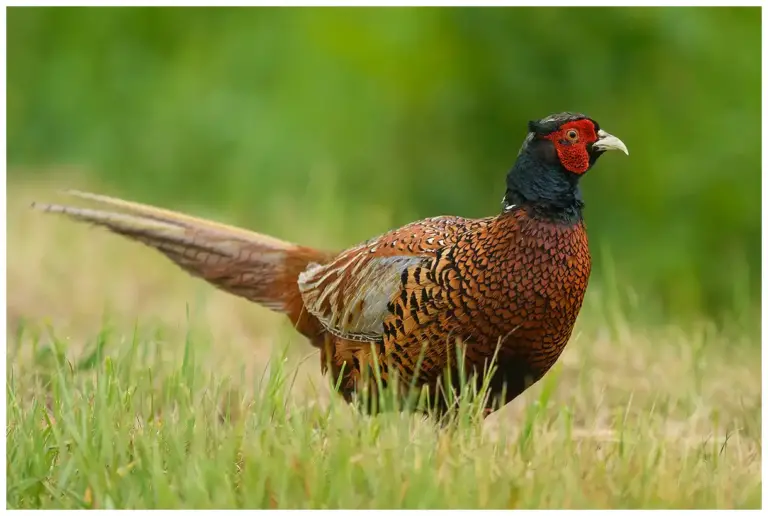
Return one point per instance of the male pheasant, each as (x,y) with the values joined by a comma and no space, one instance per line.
(507,287)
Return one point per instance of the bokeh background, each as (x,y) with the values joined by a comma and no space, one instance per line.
(328,126)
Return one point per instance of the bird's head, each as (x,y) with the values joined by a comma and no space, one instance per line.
(572,140)
(557,152)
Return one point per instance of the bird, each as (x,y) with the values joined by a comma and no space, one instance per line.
(505,289)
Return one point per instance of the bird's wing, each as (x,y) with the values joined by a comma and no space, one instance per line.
(354,294)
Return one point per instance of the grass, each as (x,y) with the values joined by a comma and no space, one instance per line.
(131,385)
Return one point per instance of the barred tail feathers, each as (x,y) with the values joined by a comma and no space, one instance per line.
(257,267)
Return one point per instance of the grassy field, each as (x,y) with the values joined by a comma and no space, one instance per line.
(131,385)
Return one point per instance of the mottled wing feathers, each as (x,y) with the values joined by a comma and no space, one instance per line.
(351,299)
(427,316)
(353,294)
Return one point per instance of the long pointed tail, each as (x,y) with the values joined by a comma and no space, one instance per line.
(257,267)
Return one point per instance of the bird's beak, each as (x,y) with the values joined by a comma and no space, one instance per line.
(608,142)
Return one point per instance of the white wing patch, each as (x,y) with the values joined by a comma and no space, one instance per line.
(350,295)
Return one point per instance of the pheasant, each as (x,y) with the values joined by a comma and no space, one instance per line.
(506,289)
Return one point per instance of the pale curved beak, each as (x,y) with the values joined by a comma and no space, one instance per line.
(608,142)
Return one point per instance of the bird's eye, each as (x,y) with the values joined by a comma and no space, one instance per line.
(572,135)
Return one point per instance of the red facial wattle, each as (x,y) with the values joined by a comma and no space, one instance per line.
(573,154)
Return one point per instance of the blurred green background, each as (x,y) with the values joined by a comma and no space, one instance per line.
(352,121)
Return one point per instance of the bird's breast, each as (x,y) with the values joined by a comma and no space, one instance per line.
(532,277)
